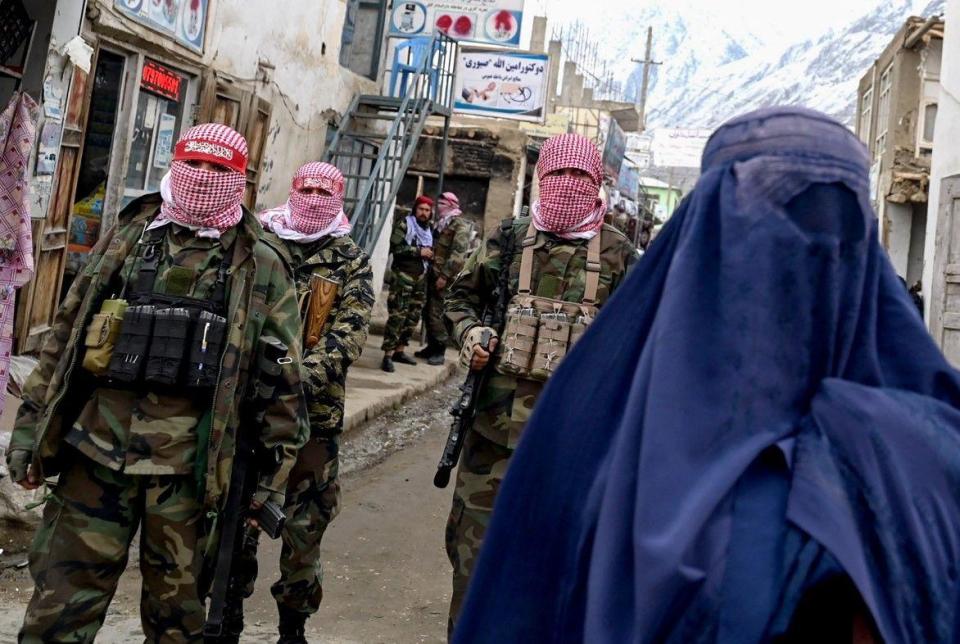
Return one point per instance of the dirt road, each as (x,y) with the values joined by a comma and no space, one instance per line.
(386,576)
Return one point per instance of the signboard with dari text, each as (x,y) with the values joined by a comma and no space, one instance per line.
(504,84)
(492,22)
(183,20)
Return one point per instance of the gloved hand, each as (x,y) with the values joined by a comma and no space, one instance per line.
(18,462)
(472,355)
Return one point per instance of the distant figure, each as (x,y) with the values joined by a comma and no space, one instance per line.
(411,244)
(451,247)
(757,441)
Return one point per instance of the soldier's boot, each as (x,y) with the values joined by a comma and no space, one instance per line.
(403,358)
(437,359)
(387,364)
(427,351)
(293,626)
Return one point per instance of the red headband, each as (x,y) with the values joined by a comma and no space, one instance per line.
(214,143)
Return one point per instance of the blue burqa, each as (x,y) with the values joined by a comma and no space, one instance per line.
(757,409)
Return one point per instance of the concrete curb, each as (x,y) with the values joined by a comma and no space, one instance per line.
(393,400)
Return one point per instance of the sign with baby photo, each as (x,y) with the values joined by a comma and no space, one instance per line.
(501,84)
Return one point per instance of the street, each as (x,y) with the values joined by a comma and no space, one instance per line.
(386,576)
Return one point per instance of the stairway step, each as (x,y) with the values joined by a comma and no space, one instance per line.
(374,116)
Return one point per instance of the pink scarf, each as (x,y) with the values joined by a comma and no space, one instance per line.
(569,207)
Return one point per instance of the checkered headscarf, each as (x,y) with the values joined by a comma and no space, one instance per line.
(448,207)
(206,199)
(569,207)
(307,218)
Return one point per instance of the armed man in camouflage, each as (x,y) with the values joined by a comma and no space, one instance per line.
(565,231)
(411,244)
(335,293)
(138,409)
(451,247)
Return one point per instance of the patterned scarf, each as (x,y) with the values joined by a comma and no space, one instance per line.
(569,207)
(448,207)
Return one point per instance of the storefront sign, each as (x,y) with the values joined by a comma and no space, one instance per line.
(160,80)
(629,180)
(493,22)
(504,84)
(614,149)
(183,20)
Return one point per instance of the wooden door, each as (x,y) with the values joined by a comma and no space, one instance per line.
(945,302)
(41,297)
(223,101)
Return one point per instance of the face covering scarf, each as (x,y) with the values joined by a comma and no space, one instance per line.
(448,207)
(568,207)
(206,201)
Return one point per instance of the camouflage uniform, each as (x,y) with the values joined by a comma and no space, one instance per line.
(129,460)
(451,247)
(407,288)
(505,402)
(313,491)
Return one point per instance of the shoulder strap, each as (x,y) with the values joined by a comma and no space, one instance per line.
(593,270)
(149,253)
(526,260)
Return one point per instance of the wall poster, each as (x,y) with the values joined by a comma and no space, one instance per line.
(492,22)
(503,84)
(183,20)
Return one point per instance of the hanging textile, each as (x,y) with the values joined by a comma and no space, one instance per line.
(18,130)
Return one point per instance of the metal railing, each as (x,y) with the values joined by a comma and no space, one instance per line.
(374,164)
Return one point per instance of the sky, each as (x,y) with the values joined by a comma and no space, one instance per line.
(793,20)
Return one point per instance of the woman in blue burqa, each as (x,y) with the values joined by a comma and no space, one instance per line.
(757,440)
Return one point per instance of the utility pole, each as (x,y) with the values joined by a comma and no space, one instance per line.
(648,62)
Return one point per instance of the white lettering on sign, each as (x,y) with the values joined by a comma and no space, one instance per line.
(205,147)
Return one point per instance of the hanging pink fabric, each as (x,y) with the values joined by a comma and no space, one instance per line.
(18,130)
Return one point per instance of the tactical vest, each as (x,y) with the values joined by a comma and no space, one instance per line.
(161,341)
(539,331)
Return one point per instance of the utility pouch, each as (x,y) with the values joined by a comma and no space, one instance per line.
(519,338)
(539,331)
(101,337)
(168,346)
(206,347)
(129,356)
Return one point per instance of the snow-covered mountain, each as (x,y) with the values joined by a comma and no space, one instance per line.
(716,65)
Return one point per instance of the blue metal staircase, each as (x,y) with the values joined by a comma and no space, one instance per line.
(378,136)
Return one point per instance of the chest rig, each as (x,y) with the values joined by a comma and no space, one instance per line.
(540,331)
(165,342)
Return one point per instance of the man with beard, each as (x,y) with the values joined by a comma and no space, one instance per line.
(562,264)
(451,248)
(334,290)
(411,244)
(138,399)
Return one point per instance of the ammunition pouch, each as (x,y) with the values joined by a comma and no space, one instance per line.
(162,341)
(540,331)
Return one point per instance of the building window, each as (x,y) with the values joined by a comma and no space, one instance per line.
(362,37)
(866,111)
(883,111)
(928,125)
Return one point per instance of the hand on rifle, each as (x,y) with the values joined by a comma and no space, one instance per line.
(441,282)
(426,252)
(22,471)
(256,503)
(472,353)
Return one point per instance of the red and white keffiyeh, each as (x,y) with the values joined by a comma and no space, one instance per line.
(569,207)
(206,199)
(448,207)
(306,218)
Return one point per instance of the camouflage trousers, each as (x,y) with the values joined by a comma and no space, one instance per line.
(433,318)
(313,500)
(483,464)
(404,304)
(81,547)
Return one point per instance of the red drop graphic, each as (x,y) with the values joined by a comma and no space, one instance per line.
(444,23)
(463,26)
(503,21)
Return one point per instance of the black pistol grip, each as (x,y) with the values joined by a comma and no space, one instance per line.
(442,478)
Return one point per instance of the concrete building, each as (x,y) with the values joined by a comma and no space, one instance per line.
(139,77)
(897,111)
(659,197)
(671,155)
(941,274)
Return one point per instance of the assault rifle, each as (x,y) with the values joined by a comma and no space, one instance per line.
(250,462)
(465,410)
